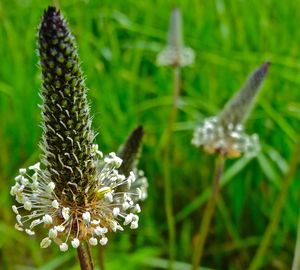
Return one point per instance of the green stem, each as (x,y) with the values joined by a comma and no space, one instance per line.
(167,168)
(208,213)
(296,260)
(277,210)
(101,258)
(85,257)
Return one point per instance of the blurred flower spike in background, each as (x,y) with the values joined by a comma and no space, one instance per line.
(224,133)
(175,53)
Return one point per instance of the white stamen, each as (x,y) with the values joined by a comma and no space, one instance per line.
(93,241)
(86,217)
(103,241)
(55,204)
(63,247)
(47,219)
(65,213)
(46,242)
(75,243)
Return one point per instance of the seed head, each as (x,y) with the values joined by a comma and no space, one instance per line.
(67,192)
(225,133)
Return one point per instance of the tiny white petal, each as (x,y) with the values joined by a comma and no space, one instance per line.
(116,211)
(103,241)
(99,230)
(15,209)
(95,222)
(22,171)
(134,225)
(47,219)
(52,233)
(35,167)
(27,205)
(18,218)
(125,206)
(29,232)
(59,228)
(46,242)
(75,243)
(128,219)
(139,193)
(50,187)
(24,181)
(55,204)
(137,208)
(86,217)
(93,241)
(108,197)
(34,223)
(63,247)
(18,227)
(65,213)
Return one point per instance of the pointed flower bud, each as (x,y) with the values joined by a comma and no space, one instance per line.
(225,133)
(176,54)
(129,152)
(68,191)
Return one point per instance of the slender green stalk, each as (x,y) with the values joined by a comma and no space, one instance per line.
(208,213)
(167,168)
(277,210)
(85,257)
(296,260)
(101,260)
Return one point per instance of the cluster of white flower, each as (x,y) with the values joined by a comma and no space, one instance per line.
(68,222)
(173,56)
(232,141)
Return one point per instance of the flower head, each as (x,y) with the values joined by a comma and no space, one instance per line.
(225,133)
(68,193)
(175,53)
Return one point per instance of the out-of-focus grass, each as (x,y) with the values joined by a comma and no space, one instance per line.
(118,42)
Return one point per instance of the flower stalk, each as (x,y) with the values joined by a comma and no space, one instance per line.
(223,135)
(75,192)
(259,256)
(176,55)
(208,213)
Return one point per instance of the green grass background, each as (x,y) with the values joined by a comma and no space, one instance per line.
(118,43)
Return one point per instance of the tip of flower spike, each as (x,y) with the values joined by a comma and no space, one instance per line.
(263,69)
(129,152)
(51,21)
(51,11)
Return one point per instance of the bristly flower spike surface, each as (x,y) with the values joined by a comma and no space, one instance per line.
(68,192)
(224,133)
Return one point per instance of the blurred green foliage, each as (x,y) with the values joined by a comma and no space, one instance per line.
(118,43)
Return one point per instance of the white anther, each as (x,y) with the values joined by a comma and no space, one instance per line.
(75,243)
(47,219)
(52,233)
(63,247)
(86,217)
(65,213)
(116,211)
(46,242)
(50,187)
(103,241)
(93,241)
(55,204)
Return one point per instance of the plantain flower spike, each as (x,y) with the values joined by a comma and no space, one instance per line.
(224,133)
(67,192)
(130,154)
(176,54)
